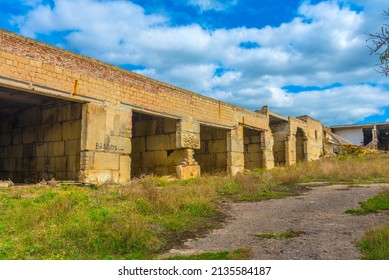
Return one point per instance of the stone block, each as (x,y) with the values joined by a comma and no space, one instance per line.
(69,112)
(72,147)
(235,170)
(29,134)
(124,169)
(235,159)
(41,149)
(71,130)
(96,176)
(72,164)
(154,158)
(145,128)
(219,133)
(203,147)
(221,160)
(158,143)
(56,149)
(94,126)
(169,125)
(106,161)
(279,146)
(235,140)
(255,157)
(122,125)
(52,133)
(160,170)
(120,144)
(60,164)
(5,139)
(17,136)
(49,115)
(187,172)
(176,157)
(206,133)
(187,139)
(253,148)
(217,146)
(28,150)
(136,159)
(138,144)
(29,118)
(255,138)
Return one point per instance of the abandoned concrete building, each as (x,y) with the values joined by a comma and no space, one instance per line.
(374,135)
(70,117)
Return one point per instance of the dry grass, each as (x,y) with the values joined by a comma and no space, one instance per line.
(142,219)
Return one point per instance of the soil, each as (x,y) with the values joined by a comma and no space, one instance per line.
(323,230)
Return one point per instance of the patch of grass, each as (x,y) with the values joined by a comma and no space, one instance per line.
(240,254)
(374,245)
(110,222)
(372,205)
(279,235)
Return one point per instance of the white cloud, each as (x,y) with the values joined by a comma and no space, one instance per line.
(205,5)
(325,44)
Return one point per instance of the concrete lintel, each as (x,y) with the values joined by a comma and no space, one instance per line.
(46,91)
(217,125)
(141,110)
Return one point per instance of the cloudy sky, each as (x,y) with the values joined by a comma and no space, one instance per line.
(298,57)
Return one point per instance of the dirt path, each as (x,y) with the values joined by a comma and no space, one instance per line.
(326,232)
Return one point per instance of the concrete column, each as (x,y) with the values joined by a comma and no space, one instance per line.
(105,144)
(374,138)
(235,151)
(290,150)
(267,151)
(188,134)
(188,138)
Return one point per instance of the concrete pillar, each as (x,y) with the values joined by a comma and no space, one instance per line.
(105,144)
(188,138)
(290,150)
(374,138)
(235,151)
(267,152)
(188,134)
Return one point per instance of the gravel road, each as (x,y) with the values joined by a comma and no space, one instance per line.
(325,232)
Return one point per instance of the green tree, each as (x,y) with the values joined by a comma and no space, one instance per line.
(378,43)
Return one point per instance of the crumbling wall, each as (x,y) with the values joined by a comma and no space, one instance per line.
(41,143)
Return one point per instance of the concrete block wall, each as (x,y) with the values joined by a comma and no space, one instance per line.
(253,149)
(212,155)
(154,143)
(41,143)
(106,144)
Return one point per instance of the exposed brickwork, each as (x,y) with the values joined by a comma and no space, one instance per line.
(42,64)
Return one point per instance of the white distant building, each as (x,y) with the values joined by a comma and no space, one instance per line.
(374,135)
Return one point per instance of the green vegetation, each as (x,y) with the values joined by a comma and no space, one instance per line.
(133,222)
(240,254)
(280,235)
(375,244)
(372,205)
(145,218)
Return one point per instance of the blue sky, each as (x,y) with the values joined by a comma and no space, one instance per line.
(297,57)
